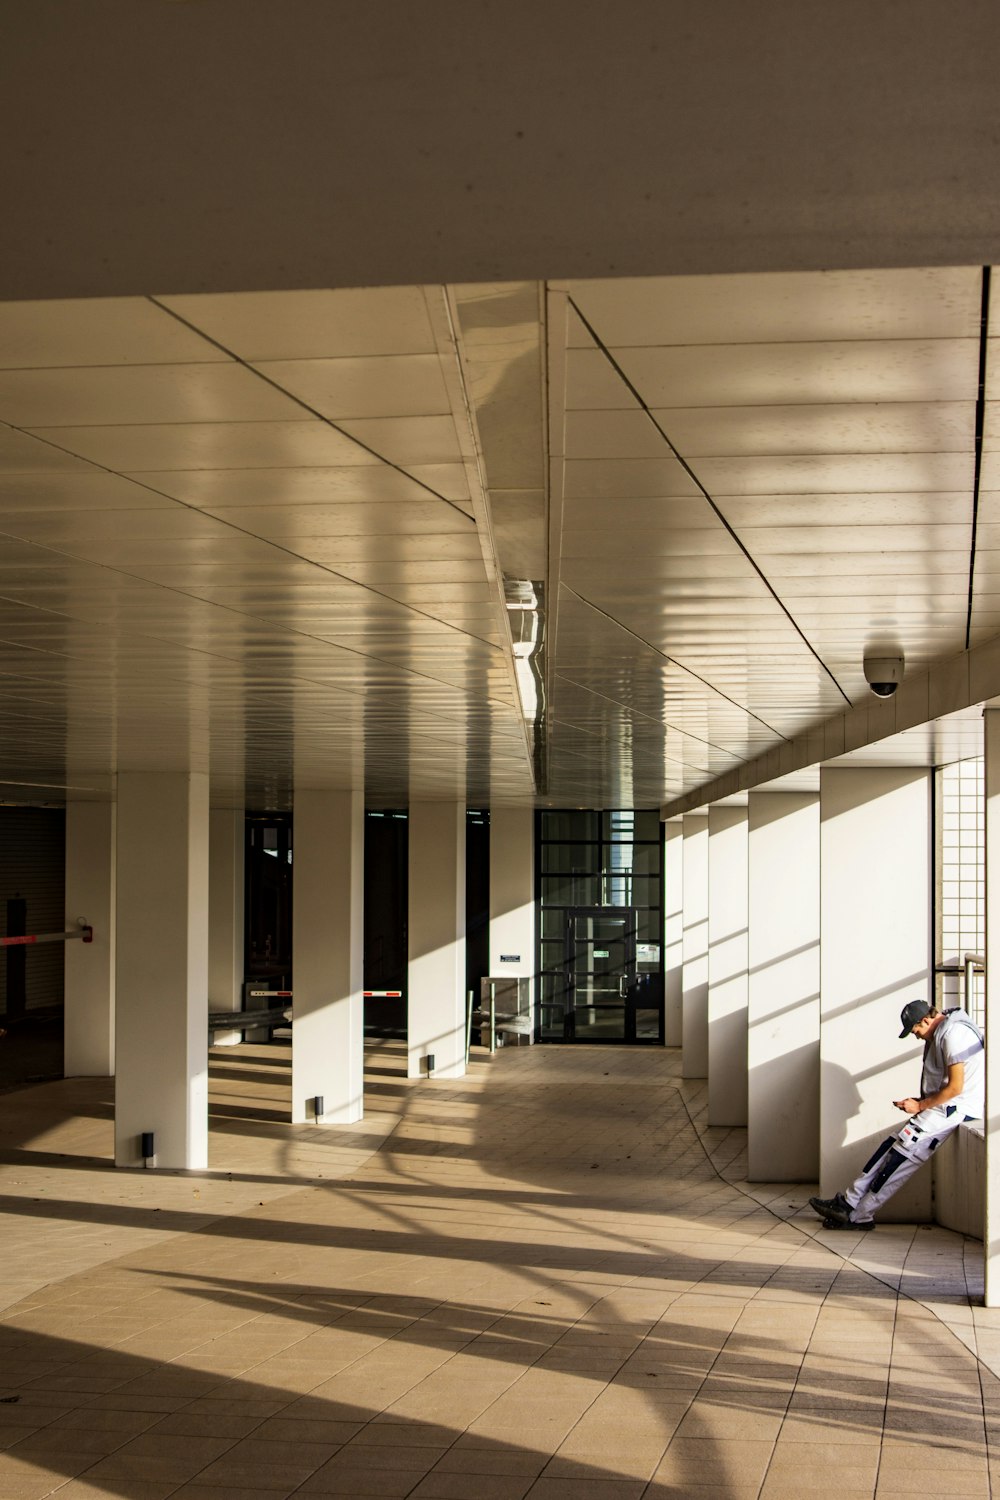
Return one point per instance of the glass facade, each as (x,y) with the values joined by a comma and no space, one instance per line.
(600,926)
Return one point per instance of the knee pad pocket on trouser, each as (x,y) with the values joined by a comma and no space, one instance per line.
(893,1161)
(885,1146)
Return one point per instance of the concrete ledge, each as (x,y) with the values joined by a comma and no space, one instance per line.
(960,1181)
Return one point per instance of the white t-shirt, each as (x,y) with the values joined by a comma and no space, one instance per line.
(956,1039)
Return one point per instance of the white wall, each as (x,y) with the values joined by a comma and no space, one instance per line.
(436,939)
(727,966)
(161,985)
(512,895)
(328,946)
(959,1167)
(875,954)
(991,757)
(783,1043)
(694,1053)
(673,933)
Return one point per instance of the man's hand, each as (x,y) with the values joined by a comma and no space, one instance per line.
(908,1106)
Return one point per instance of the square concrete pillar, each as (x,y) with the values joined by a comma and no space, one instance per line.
(161,984)
(436,939)
(783,988)
(512,896)
(226,897)
(673,932)
(727,966)
(89,1015)
(694,999)
(875,954)
(328,949)
(991,1246)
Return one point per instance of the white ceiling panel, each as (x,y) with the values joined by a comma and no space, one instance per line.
(388,385)
(165,522)
(96,331)
(21,454)
(307,325)
(217,489)
(408,440)
(143,393)
(788,374)
(305,442)
(593,384)
(771,540)
(989,506)
(182,543)
(882,509)
(78,490)
(836,473)
(124,552)
(848,428)
(631,478)
(627,546)
(411,517)
(450,481)
(800,307)
(662,512)
(856,577)
(915,565)
(613,434)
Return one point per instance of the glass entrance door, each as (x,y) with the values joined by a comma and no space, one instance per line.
(600,974)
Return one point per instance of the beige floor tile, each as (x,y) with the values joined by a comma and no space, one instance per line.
(667,1491)
(463,1300)
(136,1489)
(445,1486)
(393,1484)
(586,1489)
(228,1492)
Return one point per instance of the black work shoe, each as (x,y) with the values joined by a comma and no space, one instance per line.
(838,1204)
(849,1224)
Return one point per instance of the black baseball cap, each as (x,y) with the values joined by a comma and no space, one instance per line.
(912,1013)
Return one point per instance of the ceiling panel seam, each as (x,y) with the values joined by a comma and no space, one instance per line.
(984,328)
(312,410)
(638,713)
(718,513)
(253,536)
(740,707)
(240,614)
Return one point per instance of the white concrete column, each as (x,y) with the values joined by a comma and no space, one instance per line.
(161,986)
(875,954)
(226,850)
(694,1001)
(436,932)
(673,932)
(783,989)
(727,966)
(991,1238)
(328,951)
(89,1017)
(512,896)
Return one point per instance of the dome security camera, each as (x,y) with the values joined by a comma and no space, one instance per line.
(883,674)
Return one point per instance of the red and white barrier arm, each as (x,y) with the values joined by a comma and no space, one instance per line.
(83,932)
(383,994)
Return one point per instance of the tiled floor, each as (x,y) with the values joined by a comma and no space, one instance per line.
(543,1280)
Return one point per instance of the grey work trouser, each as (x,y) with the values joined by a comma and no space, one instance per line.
(890,1167)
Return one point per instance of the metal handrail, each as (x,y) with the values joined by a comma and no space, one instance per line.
(971,965)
